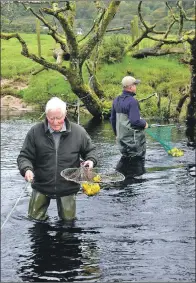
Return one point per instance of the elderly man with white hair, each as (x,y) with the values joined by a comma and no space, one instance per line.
(50,147)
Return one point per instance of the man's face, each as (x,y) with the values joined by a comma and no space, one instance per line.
(133,88)
(56,119)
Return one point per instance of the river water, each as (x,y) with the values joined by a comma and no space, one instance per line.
(142,230)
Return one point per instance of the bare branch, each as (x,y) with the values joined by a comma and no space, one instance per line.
(183,61)
(93,82)
(184,13)
(167,41)
(39,71)
(181,102)
(156,51)
(52,30)
(151,95)
(148,28)
(115,29)
(172,13)
(181,20)
(103,21)
(70,36)
(95,24)
(39,60)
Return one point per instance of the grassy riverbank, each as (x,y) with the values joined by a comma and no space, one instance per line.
(163,75)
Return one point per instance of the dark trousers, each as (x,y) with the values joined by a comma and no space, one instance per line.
(131,167)
(39,204)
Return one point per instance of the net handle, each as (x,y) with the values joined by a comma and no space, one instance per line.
(159,125)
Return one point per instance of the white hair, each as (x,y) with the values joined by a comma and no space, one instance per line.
(56,103)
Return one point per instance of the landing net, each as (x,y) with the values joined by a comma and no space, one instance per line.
(84,174)
(91,178)
(162,134)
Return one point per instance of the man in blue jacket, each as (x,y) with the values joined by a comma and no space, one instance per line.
(129,128)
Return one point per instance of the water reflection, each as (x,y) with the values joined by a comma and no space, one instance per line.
(57,254)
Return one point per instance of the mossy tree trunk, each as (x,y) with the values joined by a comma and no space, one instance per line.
(191,113)
(191,109)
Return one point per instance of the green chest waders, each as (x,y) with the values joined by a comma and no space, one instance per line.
(39,204)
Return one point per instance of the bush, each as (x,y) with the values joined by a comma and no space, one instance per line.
(112,49)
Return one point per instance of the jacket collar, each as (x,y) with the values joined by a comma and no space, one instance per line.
(126,93)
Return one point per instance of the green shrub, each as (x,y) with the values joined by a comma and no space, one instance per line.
(112,49)
(45,85)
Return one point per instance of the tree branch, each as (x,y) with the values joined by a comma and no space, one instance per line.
(39,71)
(115,29)
(99,29)
(25,52)
(171,12)
(52,31)
(167,41)
(148,29)
(93,82)
(70,36)
(181,102)
(143,99)
(156,51)
(179,4)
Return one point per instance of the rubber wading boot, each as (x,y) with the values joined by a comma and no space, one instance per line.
(67,207)
(38,206)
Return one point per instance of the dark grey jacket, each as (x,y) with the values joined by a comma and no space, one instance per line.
(39,155)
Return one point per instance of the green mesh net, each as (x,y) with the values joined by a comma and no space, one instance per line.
(162,134)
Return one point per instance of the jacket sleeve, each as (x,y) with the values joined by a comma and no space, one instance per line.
(134,115)
(113,119)
(88,149)
(26,158)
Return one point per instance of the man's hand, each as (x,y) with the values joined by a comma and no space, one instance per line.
(88,163)
(146,126)
(29,176)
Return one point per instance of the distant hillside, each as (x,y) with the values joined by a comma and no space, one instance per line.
(15,18)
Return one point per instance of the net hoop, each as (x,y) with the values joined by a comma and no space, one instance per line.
(95,175)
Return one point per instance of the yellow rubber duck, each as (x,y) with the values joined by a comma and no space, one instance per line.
(175,152)
(97,179)
(90,189)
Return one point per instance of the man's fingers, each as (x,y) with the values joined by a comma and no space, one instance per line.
(29,176)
